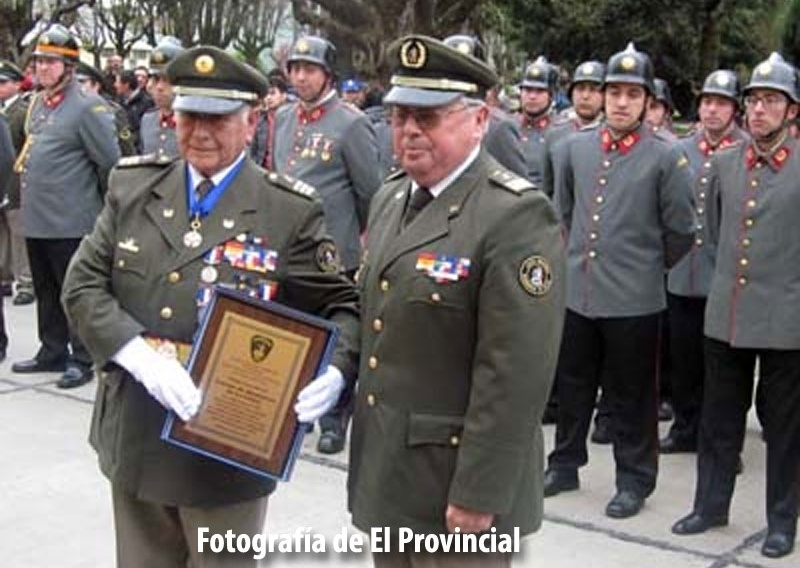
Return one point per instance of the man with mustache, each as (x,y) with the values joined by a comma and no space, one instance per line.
(624,197)
(751,312)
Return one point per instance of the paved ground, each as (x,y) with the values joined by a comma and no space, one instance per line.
(55,507)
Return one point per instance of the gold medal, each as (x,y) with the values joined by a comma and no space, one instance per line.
(326,156)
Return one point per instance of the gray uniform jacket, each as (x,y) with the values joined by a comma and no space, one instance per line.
(133,275)
(533,145)
(451,390)
(503,140)
(627,207)
(754,299)
(333,149)
(691,277)
(72,147)
(158,135)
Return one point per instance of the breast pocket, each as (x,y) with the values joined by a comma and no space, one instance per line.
(426,291)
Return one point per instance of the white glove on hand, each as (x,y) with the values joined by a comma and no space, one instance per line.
(320,395)
(165,379)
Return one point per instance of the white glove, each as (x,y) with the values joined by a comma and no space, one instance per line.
(165,379)
(320,395)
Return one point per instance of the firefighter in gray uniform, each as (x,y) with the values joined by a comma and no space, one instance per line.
(660,109)
(331,146)
(751,314)
(624,197)
(503,138)
(536,114)
(157,133)
(689,280)
(71,146)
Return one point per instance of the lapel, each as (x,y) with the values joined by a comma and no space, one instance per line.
(233,214)
(433,222)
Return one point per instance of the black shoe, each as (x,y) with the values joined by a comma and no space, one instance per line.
(330,442)
(23,298)
(694,523)
(36,366)
(601,433)
(559,480)
(75,376)
(777,544)
(624,504)
(665,413)
(675,445)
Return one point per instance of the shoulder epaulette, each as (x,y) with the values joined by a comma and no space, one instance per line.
(397,174)
(510,181)
(153,159)
(292,185)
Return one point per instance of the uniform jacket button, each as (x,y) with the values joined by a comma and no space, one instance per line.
(166,313)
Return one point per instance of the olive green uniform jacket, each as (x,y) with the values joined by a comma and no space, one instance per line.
(461,321)
(133,275)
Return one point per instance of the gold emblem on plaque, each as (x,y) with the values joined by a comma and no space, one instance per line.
(260,347)
(413,54)
(204,64)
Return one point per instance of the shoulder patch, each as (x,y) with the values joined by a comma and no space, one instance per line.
(145,160)
(510,181)
(293,185)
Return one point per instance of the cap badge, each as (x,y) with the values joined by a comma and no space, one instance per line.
(764,69)
(204,64)
(464,48)
(45,40)
(628,63)
(587,69)
(158,57)
(413,54)
(302,46)
(534,71)
(722,80)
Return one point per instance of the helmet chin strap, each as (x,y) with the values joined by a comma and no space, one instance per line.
(769,139)
(62,80)
(323,90)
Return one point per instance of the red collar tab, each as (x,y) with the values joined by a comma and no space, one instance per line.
(776,160)
(167,120)
(538,124)
(54,101)
(707,148)
(623,145)
(311,115)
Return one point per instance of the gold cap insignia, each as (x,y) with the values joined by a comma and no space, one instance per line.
(413,54)
(535,275)
(45,40)
(302,46)
(204,64)
(587,69)
(722,80)
(628,63)
(158,57)
(764,69)
(464,48)
(534,71)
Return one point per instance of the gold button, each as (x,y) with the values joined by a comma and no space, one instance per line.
(748,222)
(703,180)
(592,254)
(742,281)
(121,263)
(454,440)
(708,164)
(377,325)
(373,362)
(702,195)
(754,183)
(751,203)
(436,297)
(743,261)
(699,242)
(614,147)
(599,199)
(759,164)
(166,313)
(606,164)
(371,399)
(700,210)
(602,181)
(593,236)
(385,285)
(595,217)
(746,242)
(174,277)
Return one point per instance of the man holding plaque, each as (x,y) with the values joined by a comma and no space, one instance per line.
(170,231)
(462,308)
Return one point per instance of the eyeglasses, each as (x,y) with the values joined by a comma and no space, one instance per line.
(769,101)
(425,118)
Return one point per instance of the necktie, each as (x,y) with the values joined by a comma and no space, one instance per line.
(203,188)
(419,199)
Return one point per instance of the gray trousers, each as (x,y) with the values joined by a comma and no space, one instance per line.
(13,251)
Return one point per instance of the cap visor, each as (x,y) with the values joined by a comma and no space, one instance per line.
(411,96)
(206,105)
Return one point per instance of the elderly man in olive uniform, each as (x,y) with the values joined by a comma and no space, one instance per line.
(624,197)
(689,280)
(751,312)
(170,231)
(15,107)
(331,146)
(70,148)
(157,132)
(537,89)
(464,264)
